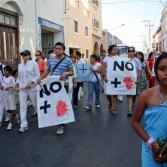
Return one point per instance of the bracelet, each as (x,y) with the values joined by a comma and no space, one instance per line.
(150,142)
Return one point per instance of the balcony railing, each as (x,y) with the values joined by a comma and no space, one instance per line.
(95,23)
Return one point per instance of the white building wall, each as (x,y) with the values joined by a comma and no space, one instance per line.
(29,11)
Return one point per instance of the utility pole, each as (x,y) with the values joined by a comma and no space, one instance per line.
(149,25)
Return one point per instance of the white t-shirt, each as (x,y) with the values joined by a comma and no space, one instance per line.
(81,61)
(7,82)
(92,75)
(27,73)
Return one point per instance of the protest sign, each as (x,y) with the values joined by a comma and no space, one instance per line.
(121,76)
(83,72)
(54,105)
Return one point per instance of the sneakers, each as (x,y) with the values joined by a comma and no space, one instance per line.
(7,119)
(129,114)
(9,126)
(97,106)
(120,98)
(60,130)
(88,108)
(23,129)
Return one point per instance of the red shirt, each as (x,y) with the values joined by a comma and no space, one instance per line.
(42,67)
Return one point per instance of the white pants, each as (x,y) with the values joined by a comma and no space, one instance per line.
(2,106)
(23,94)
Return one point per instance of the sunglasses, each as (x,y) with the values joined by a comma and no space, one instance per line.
(131,51)
(37,55)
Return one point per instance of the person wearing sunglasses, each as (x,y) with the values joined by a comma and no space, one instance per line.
(132,98)
(112,51)
(41,63)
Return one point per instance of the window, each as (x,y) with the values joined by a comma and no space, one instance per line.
(86,31)
(75,26)
(7,19)
(2,18)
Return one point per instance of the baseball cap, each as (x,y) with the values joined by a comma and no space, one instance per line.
(25,53)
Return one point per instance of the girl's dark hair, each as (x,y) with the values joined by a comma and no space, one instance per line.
(111,47)
(8,68)
(157,62)
(94,57)
(141,53)
(150,55)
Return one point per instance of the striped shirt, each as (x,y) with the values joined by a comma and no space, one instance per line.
(64,66)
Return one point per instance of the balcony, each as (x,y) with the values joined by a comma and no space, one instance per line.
(95,2)
(95,24)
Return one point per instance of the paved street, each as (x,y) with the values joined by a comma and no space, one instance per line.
(96,139)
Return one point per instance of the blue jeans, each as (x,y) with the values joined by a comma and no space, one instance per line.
(93,87)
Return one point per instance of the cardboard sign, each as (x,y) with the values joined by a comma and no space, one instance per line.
(54,105)
(121,76)
(83,72)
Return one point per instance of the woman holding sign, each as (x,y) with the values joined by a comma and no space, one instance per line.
(112,51)
(152,105)
(132,98)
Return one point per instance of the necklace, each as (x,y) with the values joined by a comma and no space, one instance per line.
(162,96)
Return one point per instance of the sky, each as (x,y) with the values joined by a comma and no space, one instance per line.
(131,13)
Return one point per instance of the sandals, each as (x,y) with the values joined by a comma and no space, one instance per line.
(114,112)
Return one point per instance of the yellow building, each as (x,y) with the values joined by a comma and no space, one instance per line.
(82,24)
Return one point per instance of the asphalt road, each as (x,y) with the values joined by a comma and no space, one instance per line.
(96,139)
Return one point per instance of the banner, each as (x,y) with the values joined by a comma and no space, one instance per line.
(83,72)
(121,76)
(54,105)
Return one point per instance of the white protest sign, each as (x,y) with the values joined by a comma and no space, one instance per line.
(54,105)
(121,76)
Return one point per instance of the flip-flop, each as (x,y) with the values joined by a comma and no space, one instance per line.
(114,112)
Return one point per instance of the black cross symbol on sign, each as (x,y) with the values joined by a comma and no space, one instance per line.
(45,107)
(83,69)
(116,83)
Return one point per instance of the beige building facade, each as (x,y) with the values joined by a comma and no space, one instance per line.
(83,26)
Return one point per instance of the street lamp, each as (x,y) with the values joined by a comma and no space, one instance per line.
(148,24)
(121,25)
